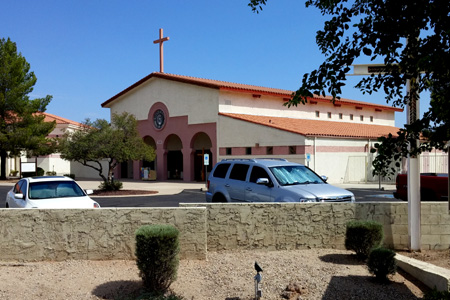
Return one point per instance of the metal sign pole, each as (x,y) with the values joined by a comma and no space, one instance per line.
(206,164)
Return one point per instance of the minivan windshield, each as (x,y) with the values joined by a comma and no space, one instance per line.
(290,175)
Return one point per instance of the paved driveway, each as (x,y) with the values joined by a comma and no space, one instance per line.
(172,193)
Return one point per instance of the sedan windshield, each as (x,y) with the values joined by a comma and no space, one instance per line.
(54,189)
(290,175)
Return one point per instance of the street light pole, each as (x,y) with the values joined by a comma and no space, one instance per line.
(413,172)
(414,208)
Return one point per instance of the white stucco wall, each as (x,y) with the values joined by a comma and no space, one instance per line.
(341,160)
(237,133)
(200,104)
(232,102)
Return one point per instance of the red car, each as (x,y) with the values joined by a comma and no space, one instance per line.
(433,187)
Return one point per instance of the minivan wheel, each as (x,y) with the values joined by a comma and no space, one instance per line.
(219,198)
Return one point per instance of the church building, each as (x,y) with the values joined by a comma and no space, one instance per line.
(184,118)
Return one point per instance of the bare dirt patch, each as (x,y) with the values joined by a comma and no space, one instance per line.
(440,258)
(298,274)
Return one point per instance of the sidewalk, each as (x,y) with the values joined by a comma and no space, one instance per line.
(162,187)
(371,185)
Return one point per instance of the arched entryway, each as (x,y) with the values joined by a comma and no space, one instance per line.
(174,157)
(201,144)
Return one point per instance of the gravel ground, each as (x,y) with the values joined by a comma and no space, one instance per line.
(299,274)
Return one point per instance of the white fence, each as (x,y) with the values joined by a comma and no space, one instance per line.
(359,168)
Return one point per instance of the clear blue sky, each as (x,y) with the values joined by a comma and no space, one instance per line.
(84,52)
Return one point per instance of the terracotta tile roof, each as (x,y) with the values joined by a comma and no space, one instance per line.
(318,128)
(59,120)
(243,88)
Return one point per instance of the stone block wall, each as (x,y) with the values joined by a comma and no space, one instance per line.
(108,233)
(280,226)
(94,234)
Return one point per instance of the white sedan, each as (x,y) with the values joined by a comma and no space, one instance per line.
(49,192)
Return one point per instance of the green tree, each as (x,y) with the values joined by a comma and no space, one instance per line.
(22,126)
(412,39)
(99,141)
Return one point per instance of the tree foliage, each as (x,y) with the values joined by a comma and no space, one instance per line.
(22,125)
(100,141)
(412,39)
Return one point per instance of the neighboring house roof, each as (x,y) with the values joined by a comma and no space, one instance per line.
(59,120)
(318,128)
(243,88)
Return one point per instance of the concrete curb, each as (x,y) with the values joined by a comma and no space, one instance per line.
(431,275)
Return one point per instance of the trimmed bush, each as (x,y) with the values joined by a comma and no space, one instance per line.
(113,185)
(157,249)
(70,175)
(40,171)
(363,236)
(382,263)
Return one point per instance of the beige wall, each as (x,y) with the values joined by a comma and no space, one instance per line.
(242,103)
(95,234)
(341,160)
(280,226)
(200,104)
(109,233)
(237,133)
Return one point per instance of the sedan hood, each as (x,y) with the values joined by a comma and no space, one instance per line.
(321,191)
(70,202)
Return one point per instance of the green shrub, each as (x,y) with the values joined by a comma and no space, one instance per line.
(434,294)
(363,236)
(113,185)
(50,173)
(157,249)
(40,172)
(382,262)
(70,175)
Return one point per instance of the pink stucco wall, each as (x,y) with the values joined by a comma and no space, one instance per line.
(187,133)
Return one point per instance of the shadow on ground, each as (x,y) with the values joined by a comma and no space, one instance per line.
(118,289)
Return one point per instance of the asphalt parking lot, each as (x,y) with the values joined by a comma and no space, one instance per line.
(173,196)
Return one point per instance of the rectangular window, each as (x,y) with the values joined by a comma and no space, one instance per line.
(329,115)
(269,150)
(239,172)
(292,150)
(371,118)
(361,117)
(317,114)
(221,170)
(248,151)
(351,117)
(228,151)
(258,172)
(340,116)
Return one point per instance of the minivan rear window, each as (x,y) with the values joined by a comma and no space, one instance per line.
(221,170)
(239,172)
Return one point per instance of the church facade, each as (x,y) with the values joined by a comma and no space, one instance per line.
(184,118)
